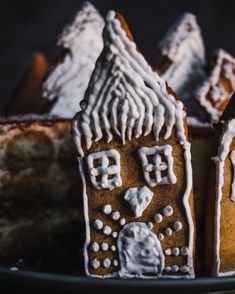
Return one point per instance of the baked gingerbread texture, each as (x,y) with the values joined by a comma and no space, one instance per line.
(220,243)
(68,78)
(217,88)
(135,163)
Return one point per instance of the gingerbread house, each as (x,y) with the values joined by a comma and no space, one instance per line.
(135,163)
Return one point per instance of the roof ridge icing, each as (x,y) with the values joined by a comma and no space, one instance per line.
(125,97)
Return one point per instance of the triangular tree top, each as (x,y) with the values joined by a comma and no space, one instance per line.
(184,55)
(125,97)
(68,80)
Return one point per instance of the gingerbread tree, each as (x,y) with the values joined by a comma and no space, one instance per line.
(135,163)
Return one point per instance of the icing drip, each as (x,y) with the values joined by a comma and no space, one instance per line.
(232,158)
(68,80)
(139,199)
(223,151)
(212,93)
(139,251)
(183,46)
(123,77)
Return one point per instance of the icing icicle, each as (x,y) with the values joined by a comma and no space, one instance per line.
(68,80)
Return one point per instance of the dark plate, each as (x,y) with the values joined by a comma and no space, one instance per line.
(50,283)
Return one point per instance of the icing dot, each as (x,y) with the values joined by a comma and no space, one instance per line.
(150,225)
(168,210)
(184,251)
(174,268)
(160,237)
(106,262)
(98,224)
(107,230)
(95,247)
(178,226)
(158,218)
(114,234)
(168,251)
(168,231)
(167,269)
(95,263)
(176,251)
(104,246)
(115,215)
(107,209)
(184,269)
(113,248)
(122,221)
(115,262)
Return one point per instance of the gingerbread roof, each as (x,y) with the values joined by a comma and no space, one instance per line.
(216,90)
(68,80)
(125,97)
(183,49)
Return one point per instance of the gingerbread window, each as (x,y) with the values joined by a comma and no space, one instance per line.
(104,169)
(157,163)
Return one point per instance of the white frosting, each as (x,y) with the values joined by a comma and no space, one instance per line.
(107,230)
(157,165)
(113,247)
(183,46)
(126,99)
(114,234)
(232,158)
(184,251)
(177,226)
(104,169)
(106,262)
(168,251)
(167,269)
(115,262)
(98,224)
(175,268)
(168,231)
(160,236)
(168,210)
(224,66)
(104,246)
(139,250)
(223,151)
(158,218)
(184,269)
(139,199)
(107,209)
(115,215)
(95,263)
(68,80)
(176,251)
(95,247)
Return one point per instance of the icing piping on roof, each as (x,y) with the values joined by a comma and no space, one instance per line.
(68,80)
(225,64)
(183,46)
(125,96)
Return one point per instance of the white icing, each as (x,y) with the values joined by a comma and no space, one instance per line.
(183,46)
(150,225)
(68,80)
(184,269)
(168,251)
(107,209)
(232,158)
(158,218)
(176,251)
(139,250)
(223,151)
(98,224)
(139,199)
(95,247)
(104,246)
(167,269)
(95,263)
(168,231)
(107,230)
(177,226)
(157,165)
(115,262)
(160,236)
(113,247)
(184,251)
(121,71)
(175,268)
(106,262)
(115,215)
(122,221)
(114,234)
(168,210)
(224,66)
(104,169)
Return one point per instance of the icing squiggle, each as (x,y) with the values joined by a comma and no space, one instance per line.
(68,80)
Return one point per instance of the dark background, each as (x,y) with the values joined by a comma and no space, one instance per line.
(28,26)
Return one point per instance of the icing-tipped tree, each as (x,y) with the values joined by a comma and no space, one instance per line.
(68,80)
(135,163)
(183,54)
